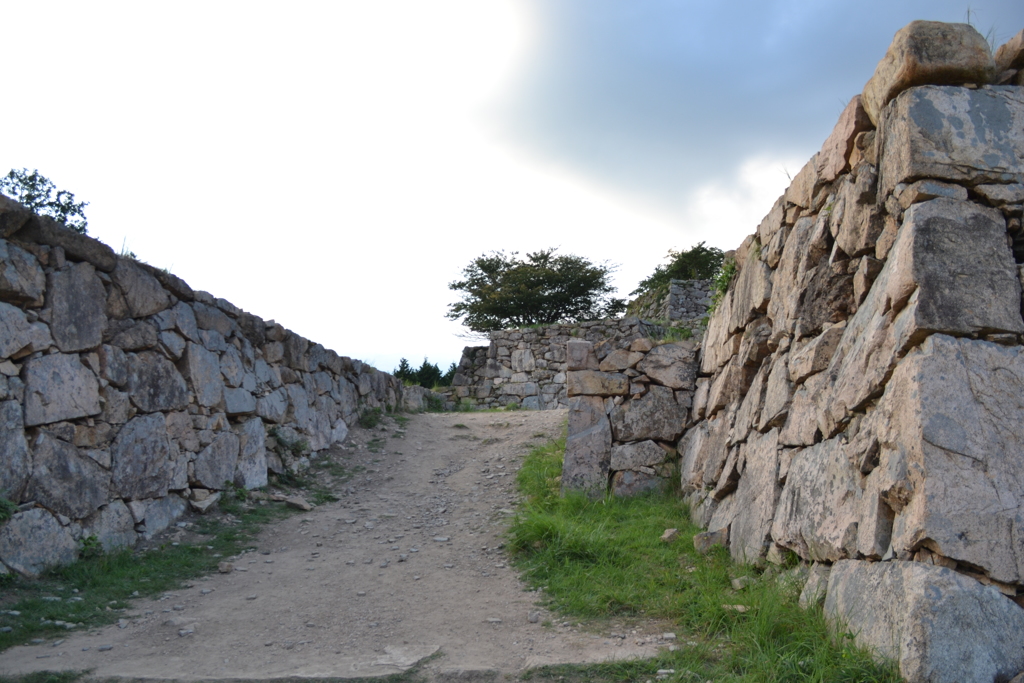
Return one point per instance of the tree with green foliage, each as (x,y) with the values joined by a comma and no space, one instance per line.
(404,371)
(697,263)
(38,193)
(501,291)
(428,375)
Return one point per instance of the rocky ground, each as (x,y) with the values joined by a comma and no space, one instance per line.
(407,564)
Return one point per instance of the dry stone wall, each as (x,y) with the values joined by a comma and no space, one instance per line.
(125,396)
(859,400)
(684,304)
(526,367)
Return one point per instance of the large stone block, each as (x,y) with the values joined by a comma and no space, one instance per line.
(806,247)
(819,508)
(940,626)
(34,540)
(587,447)
(216,463)
(815,355)
(595,383)
(19,337)
(239,402)
(950,429)
(65,481)
(955,134)
(858,223)
(834,157)
(523,361)
(628,483)
(142,292)
(59,387)
(77,303)
(251,470)
(163,512)
(140,457)
(154,384)
(751,510)
(928,52)
(752,290)
(202,368)
(113,526)
(671,365)
(274,406)
(656,415)
(45,230)
(15,459)
(22,280)
(948,271)
(633,456)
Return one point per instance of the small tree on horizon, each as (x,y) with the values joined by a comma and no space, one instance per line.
(502,290)
(38,193)
(696,263)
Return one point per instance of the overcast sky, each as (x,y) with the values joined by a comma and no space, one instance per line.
(334,165)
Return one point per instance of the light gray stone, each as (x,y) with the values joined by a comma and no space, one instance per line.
(801,428)
(953,134)
(923,190)
(274,406)
(239,402)
(202,369)
(65,481)
(142,292)
(58,387)
(76,302)
(925,52)
(34,540)
(173,344)
(999,195)
(580,355)
(185,321)
(656,415)
(22,280)
(15,459)
(154,384)
(620,359)
(777,395)
(19,337)
(934,281)
(523,361)
(819,509)
(117,407)
(216,463)
(251,470)
(113,365)
(940,626)
(587,447)
(671,365)
(231,367)
(750,516)
(816,588)
(113,526)
(595,383)
(164,512)
(140,457)
(180,429)
(134,335)
(633,456)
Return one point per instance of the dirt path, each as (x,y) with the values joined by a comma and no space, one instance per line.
(407,564)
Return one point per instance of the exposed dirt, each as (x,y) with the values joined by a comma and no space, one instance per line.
(407,564)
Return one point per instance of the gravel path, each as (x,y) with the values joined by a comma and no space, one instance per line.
(406,565)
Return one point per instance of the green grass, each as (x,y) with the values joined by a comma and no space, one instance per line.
(603,559)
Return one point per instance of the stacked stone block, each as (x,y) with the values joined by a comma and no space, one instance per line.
(859,400)
(125,396)
(526,367)
(683,305)
(627,408)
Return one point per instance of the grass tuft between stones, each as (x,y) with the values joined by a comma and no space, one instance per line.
(603,560)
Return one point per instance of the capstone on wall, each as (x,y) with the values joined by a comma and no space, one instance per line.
(526,367)
(126,397)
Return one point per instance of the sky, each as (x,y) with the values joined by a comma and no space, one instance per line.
(334,165)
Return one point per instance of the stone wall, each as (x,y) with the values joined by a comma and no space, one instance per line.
(684,303)
(526,367)
(627,408)
(859,400)
(125,396)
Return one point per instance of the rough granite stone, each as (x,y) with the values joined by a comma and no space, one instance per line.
(59,387)
(588,447)
(19,337)
(76,302)
(140,457)
(65,481)
(656,416)
(154,384)
(142,292)
(633,456)
(34,540)
(22,280)
(113,525)
(671,365)
(14,453)
(202,369)
(216,463)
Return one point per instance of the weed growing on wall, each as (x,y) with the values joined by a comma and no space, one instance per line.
(601,559)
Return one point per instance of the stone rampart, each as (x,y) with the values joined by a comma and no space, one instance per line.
(859,399)
(683,304)
(526,367)
(125,396)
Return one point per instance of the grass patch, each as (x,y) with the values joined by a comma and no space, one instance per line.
(369,418)
(601,559)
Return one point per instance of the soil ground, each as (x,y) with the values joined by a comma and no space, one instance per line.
(408,564)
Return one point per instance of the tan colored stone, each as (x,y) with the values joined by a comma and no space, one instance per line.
(619,360)
(730,385)
(1000,195)
(777,395)
(580,355)
(867,270)
(1010,54)
(769,229)
(815,355)
(860,223)
(834,157)
(801,190)
(752,289)
(928,53)
(804,249)
(596,383)
(642,345)
(720,344)
(933,281)
(749,413)
(940,626)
